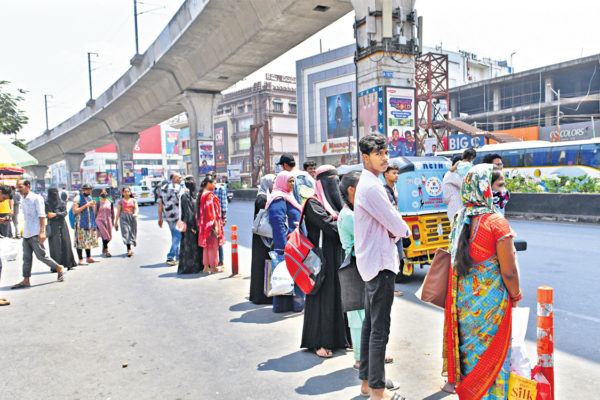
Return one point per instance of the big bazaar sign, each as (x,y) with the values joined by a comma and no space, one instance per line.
(339,146)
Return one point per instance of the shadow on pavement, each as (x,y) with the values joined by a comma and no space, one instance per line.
(302,360)
(262,316)
(183,276)
(8,288)
(333,382)
(159,265)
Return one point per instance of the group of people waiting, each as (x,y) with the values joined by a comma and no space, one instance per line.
(358,217)
(196,218)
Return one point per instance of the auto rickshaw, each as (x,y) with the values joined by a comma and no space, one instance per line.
(420,201)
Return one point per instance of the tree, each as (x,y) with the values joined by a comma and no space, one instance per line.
(12,118)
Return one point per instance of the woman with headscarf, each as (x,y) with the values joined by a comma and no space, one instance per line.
(127,213)
(483,288)
(284,215)
(86,230)
(190,254)
(324,322)
(210,225)
(105,215)
(260,252)
(59,240)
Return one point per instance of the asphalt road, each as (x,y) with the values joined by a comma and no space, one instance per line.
(198,337)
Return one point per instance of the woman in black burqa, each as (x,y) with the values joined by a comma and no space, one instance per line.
(260,252)
(59,239)
(190,254)
(325,326)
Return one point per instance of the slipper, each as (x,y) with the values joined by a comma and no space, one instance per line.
(389,360)
(91,260)
(396,396)
(391,385)
(81,262)
(448,388)
(368,394)
(107,255)
(19,286)
(355,367)
(329,353)
(61,277)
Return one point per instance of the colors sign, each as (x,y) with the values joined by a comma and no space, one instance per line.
(370,111)
(206,153)
(339,115)
(128,172)
(571,132)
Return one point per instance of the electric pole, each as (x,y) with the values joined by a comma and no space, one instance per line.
(91,101)
(46,106)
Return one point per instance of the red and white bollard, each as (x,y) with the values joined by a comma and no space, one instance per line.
(234,252)
(545,333)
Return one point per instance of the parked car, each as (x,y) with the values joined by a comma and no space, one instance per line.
(143,195)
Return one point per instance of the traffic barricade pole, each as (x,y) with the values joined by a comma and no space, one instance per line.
(234,251)
(545,333)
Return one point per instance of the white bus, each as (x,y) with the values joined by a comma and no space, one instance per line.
(538,158)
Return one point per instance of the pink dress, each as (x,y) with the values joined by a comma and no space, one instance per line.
(104,219)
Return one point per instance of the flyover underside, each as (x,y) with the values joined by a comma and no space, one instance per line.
(202,49)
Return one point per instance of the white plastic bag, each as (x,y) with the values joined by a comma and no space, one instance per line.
(9,250)
(281,281)
(519,359)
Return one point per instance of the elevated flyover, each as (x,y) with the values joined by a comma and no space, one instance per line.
(206,47)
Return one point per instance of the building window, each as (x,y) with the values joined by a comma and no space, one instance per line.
(240,109)
(87,163)
(110,162)
(220,111)
(243,144)
(293,107)
(249,107)
(228,110)
(172,162)
(278,106)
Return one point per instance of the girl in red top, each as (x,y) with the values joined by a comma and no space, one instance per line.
(210,225)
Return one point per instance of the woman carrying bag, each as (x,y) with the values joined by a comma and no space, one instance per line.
(260,252)
(284,214)
(59,240)
(86,230)
(190,254)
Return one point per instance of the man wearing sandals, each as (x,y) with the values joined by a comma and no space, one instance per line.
(34,234)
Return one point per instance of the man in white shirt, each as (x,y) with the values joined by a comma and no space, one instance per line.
(34,234)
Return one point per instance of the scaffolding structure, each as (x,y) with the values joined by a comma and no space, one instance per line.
(431,79)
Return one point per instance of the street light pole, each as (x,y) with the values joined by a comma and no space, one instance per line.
(511,62)
(135,14)
(91,100)
(46,106)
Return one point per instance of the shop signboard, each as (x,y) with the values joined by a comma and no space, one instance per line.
(221,146)
(281,78)
(338,146)
(102,178)
(128,172)
(234,173)
(400,109)
(462,141)
(206,153)
(75,180)
(370,111)
(571,132)
(339,115)
(172,137)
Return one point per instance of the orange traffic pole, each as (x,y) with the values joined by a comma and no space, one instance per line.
(545,333)
(234,251)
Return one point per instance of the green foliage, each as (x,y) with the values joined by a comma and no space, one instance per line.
(20,143)
(235,185)
(521,184)
(12,118)
(577,184)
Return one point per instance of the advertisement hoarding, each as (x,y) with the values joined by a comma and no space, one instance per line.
(339,115)
(244,124)
(430,145)
(400,121)
(370,111)
(462,141)
(75,180)
(571,132)
(234,173)
(128,172)
(171,139)
(102,178)
(206,153)
(421,190)
(221,146)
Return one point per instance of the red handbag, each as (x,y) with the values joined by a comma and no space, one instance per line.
(544,389)
(304,261)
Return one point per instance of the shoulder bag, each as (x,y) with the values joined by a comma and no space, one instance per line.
(181,226)
(352,284)
(435,286)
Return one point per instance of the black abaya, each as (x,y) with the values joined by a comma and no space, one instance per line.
(190,254)
(59,241)
(260,253)
(324,322)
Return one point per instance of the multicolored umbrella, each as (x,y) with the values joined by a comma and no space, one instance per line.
(10,170)
(11,154)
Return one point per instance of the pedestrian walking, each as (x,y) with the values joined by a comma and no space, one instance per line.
(483,289)
(59,238)
(105,215)
(168,203)
(378,226)
(324,323)
(190,254)
(221,193)
(127,213)
(6,213)
(284,216)
(451,187)
(260,252)
(210,226)
(64,196)
(16,210)
(86,230)
(34,235)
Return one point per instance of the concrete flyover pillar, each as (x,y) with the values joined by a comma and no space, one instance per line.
(73,161)
(36,172)
(125,141)
(200,107)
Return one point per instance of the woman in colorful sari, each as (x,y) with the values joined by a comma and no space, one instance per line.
(482,289)
(86,230)
(210,225)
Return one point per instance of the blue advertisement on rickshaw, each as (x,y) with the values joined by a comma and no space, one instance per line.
(420,190)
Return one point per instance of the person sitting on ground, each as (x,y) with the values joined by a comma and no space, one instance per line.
(463,166)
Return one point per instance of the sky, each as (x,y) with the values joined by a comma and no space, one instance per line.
(45,43)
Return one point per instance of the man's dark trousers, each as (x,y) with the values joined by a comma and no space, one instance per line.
(379,296)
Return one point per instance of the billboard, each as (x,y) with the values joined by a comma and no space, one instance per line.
(148,143)
(171,139)
(128,172)
(462,141)
(221,146)
(244,124)
(339,115)
(234,173)
(571,132)
(400,109)
(102,178)
(370,111)
(430,145)
(75,180)
(206,153)
(421,190)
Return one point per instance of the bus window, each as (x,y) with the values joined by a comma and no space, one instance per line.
(480,155)
(590,155)
(565,155)
(513,158)
(537,157)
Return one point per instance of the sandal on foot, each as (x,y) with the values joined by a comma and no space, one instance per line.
(368,394)
(107,254)
(389,360)
(81,262)
(61,277)
(396,396)
(356,367)
(391,385)
(91,260)
(19,286)
(329,353)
